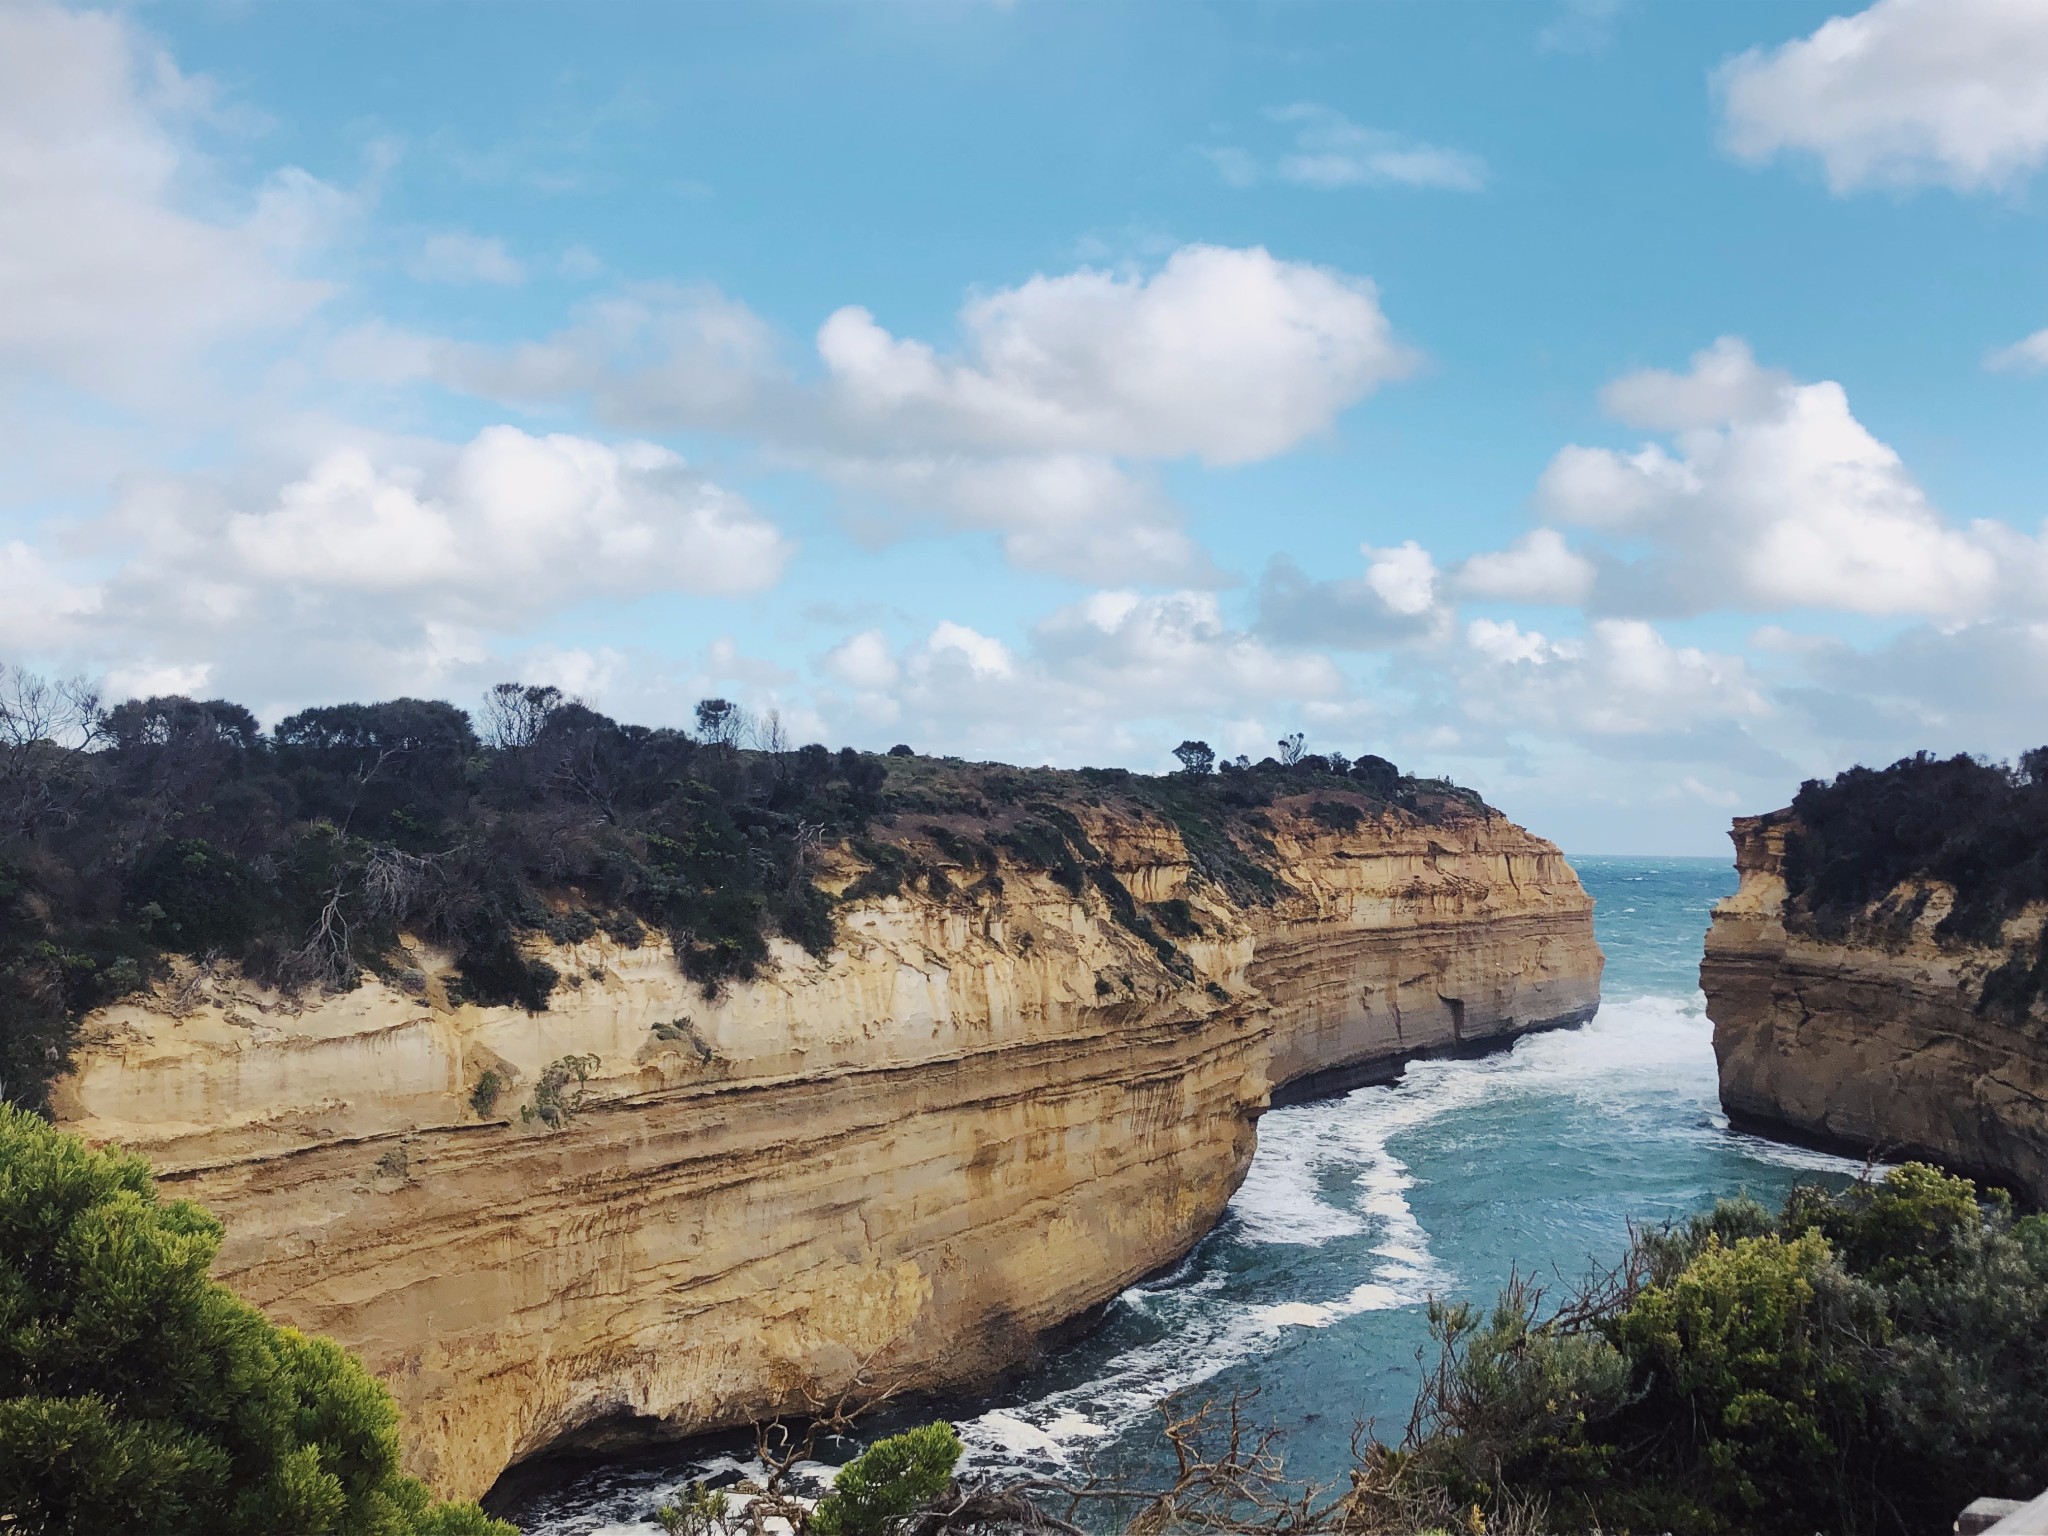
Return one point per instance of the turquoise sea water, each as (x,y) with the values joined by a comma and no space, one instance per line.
(1311,1291)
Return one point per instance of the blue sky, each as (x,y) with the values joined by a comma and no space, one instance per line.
(1627,409)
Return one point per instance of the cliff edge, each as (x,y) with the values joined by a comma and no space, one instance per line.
(1012,1085)
(1880,989)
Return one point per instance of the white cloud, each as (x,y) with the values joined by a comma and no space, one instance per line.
(1537,568)
(1776,497)
(1076,515)
(1224,355)
(1118,676)
(1395,602)
(1404,578)
(115,280)
(985,657)
(1906,93)
(514,525)
(1622,678)
(1038,428)
(388,565)
(1723,384)
(457,256)
(2027,355)
(1331,151)
(863,662)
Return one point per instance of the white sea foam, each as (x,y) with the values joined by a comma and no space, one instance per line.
(1324,1171)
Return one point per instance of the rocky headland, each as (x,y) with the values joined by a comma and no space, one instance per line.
(1876,981)
(1025,1071)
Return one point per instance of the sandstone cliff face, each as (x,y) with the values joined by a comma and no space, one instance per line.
(982,1114)
(1876,1041)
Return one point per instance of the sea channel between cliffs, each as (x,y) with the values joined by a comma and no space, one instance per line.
(1311,1289)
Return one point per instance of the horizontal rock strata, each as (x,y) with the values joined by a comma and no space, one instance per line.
(1876,1041)
(983,1114)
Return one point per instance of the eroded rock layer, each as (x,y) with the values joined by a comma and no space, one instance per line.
(985,1112)
(1878,1039)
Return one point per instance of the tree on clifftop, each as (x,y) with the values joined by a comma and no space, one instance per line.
(1196,757)
(138,1396)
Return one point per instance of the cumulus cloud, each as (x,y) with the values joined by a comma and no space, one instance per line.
(1907,93)
(1040,427)
(1223,355)
(1622,678)
(400,564)
(114,283)
(1537,568)
(512,526)
(1395,601)
(1772,495)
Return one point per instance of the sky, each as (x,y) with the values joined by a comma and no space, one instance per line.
(1627,409)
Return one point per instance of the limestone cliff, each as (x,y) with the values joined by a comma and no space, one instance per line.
(1876,1037)
(989,1108)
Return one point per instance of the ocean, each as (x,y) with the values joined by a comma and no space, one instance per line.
(1312,1290)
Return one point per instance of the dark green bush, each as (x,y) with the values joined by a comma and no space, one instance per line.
(138,1396)
(1867,1362)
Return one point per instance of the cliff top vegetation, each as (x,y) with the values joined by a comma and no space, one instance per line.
(173,826)
(1979,827)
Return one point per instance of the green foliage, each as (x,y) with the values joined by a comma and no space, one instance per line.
(483,1098)
(1980,827)
(138,1396)
(302,855)
(177,827)
(1867,1361)
(890,1480)
(555,1102)
(694,1511)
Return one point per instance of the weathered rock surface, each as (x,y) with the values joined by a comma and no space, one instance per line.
(983,1114)
(1876,1041)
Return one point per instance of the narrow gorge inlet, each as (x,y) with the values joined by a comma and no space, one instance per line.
(1023,768)
(1356,1208)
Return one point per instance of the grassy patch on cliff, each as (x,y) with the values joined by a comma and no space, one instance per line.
(171,827)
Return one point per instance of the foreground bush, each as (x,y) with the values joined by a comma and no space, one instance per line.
(886,1483)
(139,1397)
(1863,1362)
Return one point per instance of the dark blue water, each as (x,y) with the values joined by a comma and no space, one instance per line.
(1357,1209)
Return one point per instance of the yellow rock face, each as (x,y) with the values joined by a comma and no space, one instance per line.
(979,1117)
(1874,1042)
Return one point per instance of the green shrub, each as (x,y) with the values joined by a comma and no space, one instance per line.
(890,1480)
(137,1396)
(555,1103)
(1867,1362)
